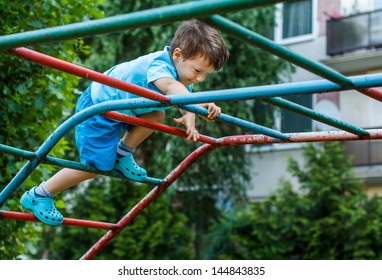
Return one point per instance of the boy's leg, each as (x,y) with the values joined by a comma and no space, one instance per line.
(136,135)
(66,178)
(39,199)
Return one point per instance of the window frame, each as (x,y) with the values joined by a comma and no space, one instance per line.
(296,39)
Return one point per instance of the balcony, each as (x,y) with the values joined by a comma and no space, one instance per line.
(361,31)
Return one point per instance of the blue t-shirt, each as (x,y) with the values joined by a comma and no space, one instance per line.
(143,71)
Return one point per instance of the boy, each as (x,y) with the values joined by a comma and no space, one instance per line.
(196,51)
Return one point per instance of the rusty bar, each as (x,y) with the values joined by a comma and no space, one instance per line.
(150,197)
(324,136)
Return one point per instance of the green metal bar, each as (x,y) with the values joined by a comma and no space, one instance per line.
(244,34)
(282,103)
(69,164)
(144,18)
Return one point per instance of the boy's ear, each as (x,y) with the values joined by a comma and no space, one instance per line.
(177,54)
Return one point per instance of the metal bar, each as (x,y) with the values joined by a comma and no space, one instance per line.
(326,136)
(276,90)
(16,152)
(156,126)
(282,103)
(247,35)
(83,72)
(255,39)
(372,92)
(70,164)
(66,221)
(145,18)
(238,122)
(150,197)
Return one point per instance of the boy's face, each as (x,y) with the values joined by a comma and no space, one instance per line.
(193,70)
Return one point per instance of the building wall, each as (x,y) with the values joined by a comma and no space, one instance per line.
(269,168)
(270,163)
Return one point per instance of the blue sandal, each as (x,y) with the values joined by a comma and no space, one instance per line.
(42,207)
(127,166)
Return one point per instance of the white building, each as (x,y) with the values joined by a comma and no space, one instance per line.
(343,35)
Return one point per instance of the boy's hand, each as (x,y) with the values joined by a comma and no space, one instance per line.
(213,111)
(188,121)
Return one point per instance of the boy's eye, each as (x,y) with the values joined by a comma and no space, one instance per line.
(197,70)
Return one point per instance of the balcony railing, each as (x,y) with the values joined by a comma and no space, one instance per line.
(354,32)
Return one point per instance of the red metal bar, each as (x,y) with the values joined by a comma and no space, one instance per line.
(150,197)
(372,92)
(325,136)
(66,221)
(83,72)
(156,126)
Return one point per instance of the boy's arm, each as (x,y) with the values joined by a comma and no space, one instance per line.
(171,86)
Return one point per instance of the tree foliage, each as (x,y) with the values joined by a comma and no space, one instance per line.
(34,99)
(330,217)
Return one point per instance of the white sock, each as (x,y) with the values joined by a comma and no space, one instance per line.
(123,150)
(42,191)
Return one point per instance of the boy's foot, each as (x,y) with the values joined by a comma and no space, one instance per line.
(127,166)
(42,207)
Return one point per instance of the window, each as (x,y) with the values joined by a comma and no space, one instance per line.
(295,21)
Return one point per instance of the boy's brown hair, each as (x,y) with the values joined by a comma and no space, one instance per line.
(196,38)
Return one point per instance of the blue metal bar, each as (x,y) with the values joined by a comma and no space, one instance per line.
(236,121)
(287,89)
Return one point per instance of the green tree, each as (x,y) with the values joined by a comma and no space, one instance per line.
(329,217)
(34,99)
